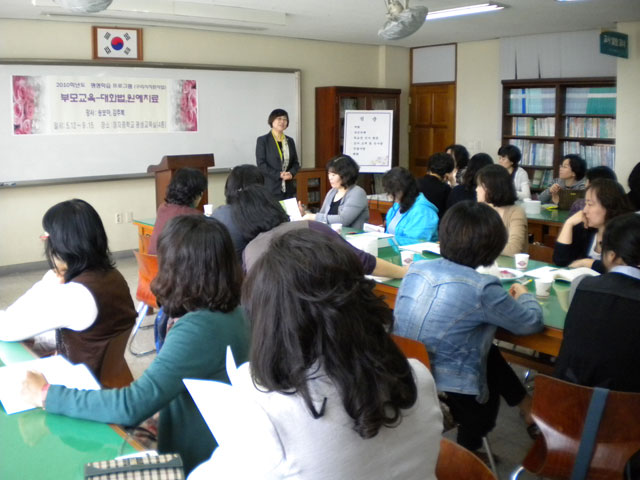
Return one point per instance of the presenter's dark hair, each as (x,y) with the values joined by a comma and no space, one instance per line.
(611,196)
(498,185)
(197,267)
(255,210)
(346,167)
(441,164)
(478,161)
(399,180)
(186,184)
(512,153)
(472,234)
(240,178)
(602,171)
(577,165)
(622,236)
(77,237)
(460,154)
(311,308)
(278,112)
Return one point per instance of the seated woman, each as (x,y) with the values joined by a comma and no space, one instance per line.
(579,243)
(346,202)
(199,281)
(495,188)
(83,297)
(412,217)
(454,310)
(261,217)
(435,184)
(599,171)
(509,157)
(601,331)
(342,400)
(240,177)
(634,187)
(183,194)
(466,189)
(460,156)
(571,177)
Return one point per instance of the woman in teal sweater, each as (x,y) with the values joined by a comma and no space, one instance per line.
(197,249)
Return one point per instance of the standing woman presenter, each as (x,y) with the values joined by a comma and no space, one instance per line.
(277,158)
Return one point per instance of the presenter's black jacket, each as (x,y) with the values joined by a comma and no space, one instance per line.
(269,163)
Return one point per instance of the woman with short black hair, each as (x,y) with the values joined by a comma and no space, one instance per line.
(571,177)
(460,155)
(276,156)
(509,157)
(495,188)
(83,297)
(412,216)
(198,281)
(454,310)
(184,192)
(341,398)
(346,203)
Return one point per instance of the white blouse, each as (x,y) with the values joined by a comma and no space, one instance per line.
(48,305)
(521,182)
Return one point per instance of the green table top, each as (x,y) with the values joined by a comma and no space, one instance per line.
(37,444)
(554,307)
(549,215)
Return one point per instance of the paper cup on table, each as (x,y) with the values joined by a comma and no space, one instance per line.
(521,260)
(336,227)
(531,206)
(208,209)
(407,257)
(543,286)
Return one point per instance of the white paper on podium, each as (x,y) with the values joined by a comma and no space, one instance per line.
(56,369)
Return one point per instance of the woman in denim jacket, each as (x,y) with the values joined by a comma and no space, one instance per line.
(454,311)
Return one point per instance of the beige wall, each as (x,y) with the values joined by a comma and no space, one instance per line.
(479,102)
(320,63)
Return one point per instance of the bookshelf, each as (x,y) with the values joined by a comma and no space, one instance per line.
(550,118)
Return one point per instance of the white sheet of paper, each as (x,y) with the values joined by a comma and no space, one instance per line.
(379,279)
(367,227)
(57,370)
(290,206)
(541,272)
(372,234)
(421,247)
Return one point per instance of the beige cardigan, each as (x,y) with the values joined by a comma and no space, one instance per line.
(515,220)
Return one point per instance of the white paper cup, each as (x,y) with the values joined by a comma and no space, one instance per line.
(407,257)
(336,227)
(208,209)
(521,260)
(543,286)
(532,206)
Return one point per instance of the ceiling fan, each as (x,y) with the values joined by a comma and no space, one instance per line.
(402,21)
(84,6)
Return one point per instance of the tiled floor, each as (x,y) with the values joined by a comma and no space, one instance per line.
(509,440)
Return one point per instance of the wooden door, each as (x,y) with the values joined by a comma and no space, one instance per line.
(432,123)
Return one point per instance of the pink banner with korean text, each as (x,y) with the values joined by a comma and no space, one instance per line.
(89,105)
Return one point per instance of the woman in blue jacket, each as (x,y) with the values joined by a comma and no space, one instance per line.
(454,310)
(412,216)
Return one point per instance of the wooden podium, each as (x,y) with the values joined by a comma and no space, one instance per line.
(165,170)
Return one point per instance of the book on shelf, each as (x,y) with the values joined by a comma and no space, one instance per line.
(536,178)
(595,155)
(532,100)
(533,127)
(534,154)
(591,101)
(547,178)
(586,127)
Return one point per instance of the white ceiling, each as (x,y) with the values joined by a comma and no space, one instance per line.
(351,21)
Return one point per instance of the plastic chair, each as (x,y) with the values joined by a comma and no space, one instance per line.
(115,372)
(412,349)
(147,270)
(456,463)
(559,409)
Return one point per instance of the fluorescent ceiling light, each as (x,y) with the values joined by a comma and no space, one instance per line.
(468,10)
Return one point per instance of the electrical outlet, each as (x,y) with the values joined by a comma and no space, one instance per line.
(128,217)
(118,217)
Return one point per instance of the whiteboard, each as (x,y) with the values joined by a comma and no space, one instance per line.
(233,107)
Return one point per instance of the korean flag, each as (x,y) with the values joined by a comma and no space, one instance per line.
(117,43)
